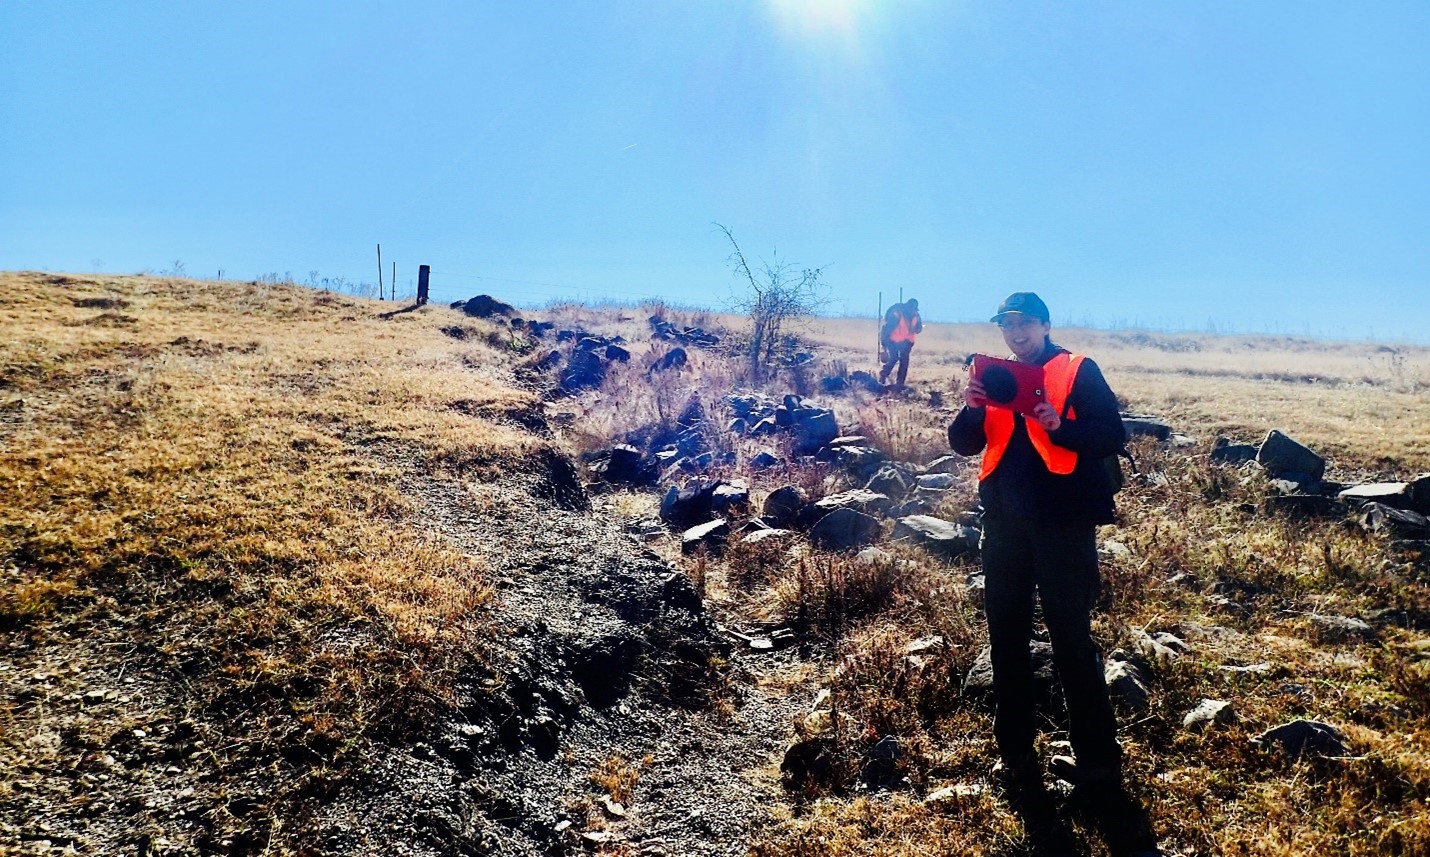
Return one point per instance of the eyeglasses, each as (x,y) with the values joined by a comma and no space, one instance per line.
(1020,321)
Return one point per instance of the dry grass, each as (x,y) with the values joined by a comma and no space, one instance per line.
(1362,404)
(1204,560)
(219,461)
(235,448)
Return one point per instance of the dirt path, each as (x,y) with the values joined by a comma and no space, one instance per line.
(599,646)
(574,594)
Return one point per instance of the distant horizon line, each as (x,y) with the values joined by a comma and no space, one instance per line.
(597,298)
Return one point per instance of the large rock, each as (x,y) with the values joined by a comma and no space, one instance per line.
(845,529)
(889,481)
(857,461)
(1226,452)
(585,370)
(675,358)
(946,464)
(683,508)
(938,481)
(1209,712)
(766,425)
(860,378)
(1126,682)
(1397,523)
(813,428)
(764,460)
(913,506)
(783,505)
(944,538)
(486,306)
(1395,494)
(624,465)
(1305,737)
(731,498)
(1284,458)
(710,536)
(1140,425)
(868,502)
(742,405)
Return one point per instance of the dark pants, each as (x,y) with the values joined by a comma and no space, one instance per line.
(896,352)
(1060,564)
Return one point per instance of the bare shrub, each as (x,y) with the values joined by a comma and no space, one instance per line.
(779,293)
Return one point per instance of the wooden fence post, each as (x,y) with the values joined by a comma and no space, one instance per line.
(423,272)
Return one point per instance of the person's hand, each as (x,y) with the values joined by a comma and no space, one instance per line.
(974,395)
(1047,416)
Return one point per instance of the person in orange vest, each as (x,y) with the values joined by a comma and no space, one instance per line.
(1044,490)
(902,323)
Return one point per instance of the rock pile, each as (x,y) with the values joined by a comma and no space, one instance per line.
(694,336)
(1298,476)
(812,427)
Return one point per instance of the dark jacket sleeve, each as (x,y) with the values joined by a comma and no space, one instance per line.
(1096,428)
(965,433)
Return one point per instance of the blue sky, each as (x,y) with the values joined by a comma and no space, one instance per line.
(1258,166)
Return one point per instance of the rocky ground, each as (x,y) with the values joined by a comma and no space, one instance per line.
(603,664)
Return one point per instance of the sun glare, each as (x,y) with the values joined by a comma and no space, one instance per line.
(838,19)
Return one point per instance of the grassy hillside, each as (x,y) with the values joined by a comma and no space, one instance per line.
(1199,553)
(191,481)
(208,563)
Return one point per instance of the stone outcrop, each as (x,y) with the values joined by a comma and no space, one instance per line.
(845,529)
(942,538)
(1305,738)
(710,536)
(1226,452)
(1284,458)
(782,505)
(1127,682)
(669,331)
(1209,712)
(486,306)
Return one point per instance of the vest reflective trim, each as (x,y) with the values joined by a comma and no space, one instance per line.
(1058,376)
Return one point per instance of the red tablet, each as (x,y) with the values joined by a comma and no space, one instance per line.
(1009,383)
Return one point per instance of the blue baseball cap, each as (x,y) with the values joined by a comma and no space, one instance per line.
(1025,303)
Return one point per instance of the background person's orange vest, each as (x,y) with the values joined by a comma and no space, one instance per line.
(905,331)
(1058,376)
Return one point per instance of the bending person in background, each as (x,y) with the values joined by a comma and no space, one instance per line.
(1044,490)
(902,324)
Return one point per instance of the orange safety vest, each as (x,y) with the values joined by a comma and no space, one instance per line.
(904,332)
(1058,376)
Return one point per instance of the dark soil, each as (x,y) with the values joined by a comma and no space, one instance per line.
(604,656)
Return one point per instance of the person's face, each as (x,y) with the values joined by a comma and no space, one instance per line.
(1024,335)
